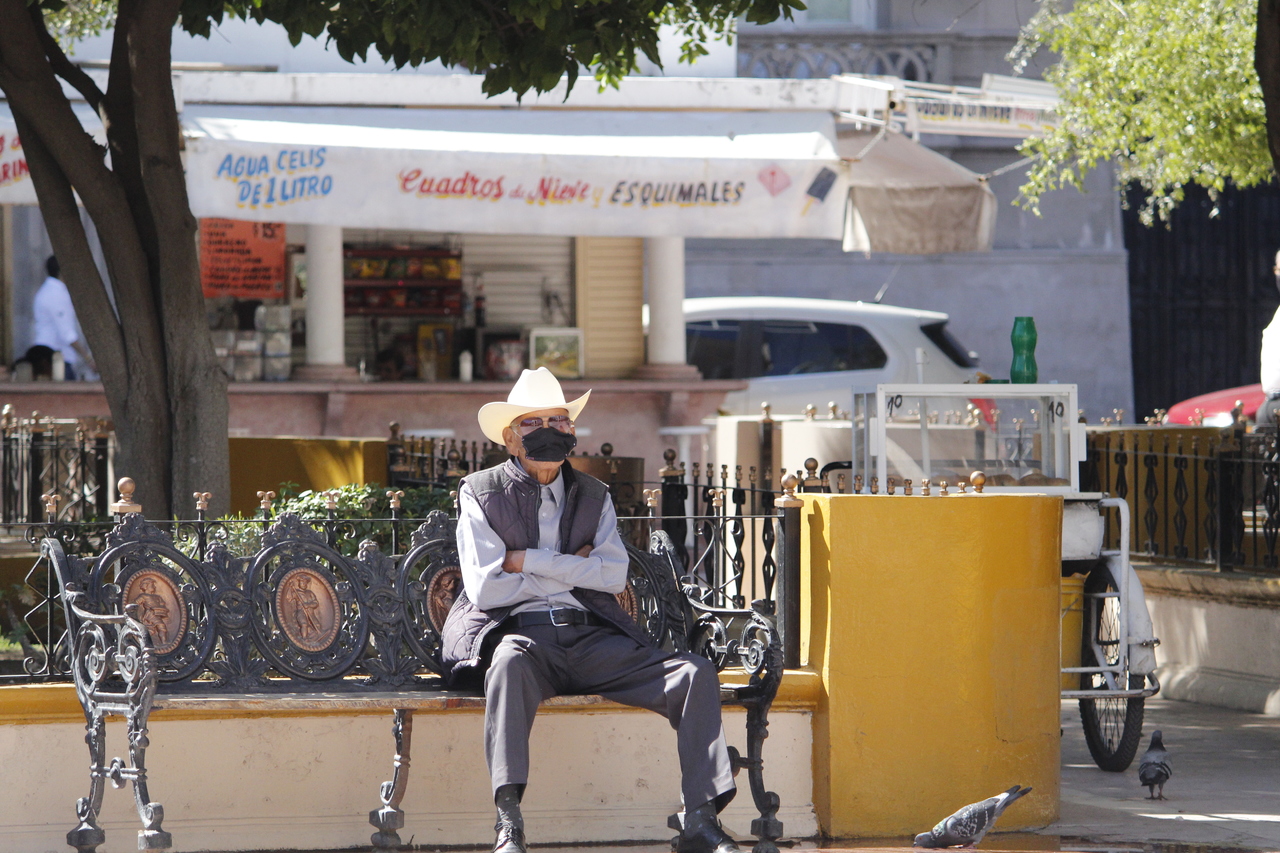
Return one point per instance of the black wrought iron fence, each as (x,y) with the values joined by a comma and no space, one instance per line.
(435,461)
(1197,495)
(735,545)
(70,458)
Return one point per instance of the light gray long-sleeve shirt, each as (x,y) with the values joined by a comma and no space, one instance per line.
(548,575)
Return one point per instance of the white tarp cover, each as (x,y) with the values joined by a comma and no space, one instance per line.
(749,174)
(907,199)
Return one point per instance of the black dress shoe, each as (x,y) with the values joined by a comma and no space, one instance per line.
(510,838)
(702,833)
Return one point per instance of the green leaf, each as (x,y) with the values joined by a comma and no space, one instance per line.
(1169,105)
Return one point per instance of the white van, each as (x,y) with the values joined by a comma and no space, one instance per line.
(795,352)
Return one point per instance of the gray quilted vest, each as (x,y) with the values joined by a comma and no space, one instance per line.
(508,497)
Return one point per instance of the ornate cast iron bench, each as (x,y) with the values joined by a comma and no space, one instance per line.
(299,626)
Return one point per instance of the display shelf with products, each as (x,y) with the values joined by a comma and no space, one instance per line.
(1023,437)
(402,282)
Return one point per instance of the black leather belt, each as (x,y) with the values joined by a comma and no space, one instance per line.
(561,618)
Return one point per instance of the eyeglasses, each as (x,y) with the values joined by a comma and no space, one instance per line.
(561,422)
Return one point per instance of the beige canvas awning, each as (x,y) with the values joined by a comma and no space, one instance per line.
(907,199)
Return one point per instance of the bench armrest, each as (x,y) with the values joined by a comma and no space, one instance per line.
(104,645)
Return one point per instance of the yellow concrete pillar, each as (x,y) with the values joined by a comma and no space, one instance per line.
(934,623)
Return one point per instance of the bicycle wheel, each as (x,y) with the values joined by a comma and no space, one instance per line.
(1112,727)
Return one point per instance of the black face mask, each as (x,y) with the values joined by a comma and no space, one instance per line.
(547,444)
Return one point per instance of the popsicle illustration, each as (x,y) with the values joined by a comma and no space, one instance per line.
(821,185)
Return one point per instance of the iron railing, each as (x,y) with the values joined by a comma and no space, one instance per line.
(1198,495)
(71,458)
(435,462)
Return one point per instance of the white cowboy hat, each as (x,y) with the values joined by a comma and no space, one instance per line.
(534,390)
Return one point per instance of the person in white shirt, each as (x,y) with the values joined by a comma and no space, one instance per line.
(56,326)
(1270,366)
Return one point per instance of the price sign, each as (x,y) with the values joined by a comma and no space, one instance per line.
(242,259)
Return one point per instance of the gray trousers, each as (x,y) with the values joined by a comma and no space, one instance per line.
(536,663)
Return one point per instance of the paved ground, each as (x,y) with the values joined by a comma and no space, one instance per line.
(1224,794)
(1225,791)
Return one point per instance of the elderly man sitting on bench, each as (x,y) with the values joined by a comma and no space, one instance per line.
(542,562)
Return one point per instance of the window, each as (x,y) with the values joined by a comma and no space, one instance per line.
(796,346)
(945,341)
(859,13)
(711,346)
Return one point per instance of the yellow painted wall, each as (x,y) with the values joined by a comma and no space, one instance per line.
(934,624)
(262,464)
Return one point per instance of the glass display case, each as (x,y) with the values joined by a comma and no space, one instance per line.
(1022,437)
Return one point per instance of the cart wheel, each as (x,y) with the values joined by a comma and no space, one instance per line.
(1112,727)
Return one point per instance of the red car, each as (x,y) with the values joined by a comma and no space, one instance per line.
(1216,407)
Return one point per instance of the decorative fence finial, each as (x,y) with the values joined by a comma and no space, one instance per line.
(202,500)
(788,498)
(331,499)
(811,478)
(264,500)
(51,504)
(670,469)
(125,504)
(394,496)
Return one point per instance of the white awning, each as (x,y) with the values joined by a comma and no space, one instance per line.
(905,198)
(606,173)
(598,172)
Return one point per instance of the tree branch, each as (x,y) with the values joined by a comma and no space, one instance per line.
(1266,60)
(71,245)
(122,132)
(63,66)
(34,91)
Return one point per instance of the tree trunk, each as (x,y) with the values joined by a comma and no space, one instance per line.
(1266,59)
(166,393)
(197,386)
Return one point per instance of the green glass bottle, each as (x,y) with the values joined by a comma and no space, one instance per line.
(1023,369)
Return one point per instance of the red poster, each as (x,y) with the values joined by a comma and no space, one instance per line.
(242,259)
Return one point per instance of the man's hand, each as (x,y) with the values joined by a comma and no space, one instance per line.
(514,562)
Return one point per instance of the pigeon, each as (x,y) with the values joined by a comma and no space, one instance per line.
(1153,769)
(966,827)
